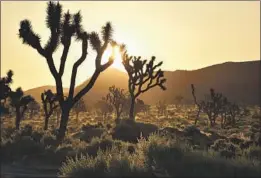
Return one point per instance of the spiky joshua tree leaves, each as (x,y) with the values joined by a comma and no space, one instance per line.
(20,103)
(117,98)
(5,91)
(143,76)
(64,27)
(49,105)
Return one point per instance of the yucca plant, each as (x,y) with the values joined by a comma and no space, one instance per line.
(64,27)
(49,101)
(5,90)
(20,103)
(117,98)
(143,76)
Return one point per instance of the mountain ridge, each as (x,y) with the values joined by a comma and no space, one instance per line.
(233,79)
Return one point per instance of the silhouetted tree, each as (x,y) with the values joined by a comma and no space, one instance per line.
(178,99)
(5,91)
(140,106)
(141,74)
(217,105)
(20,103)
(117,98)
(229,114)
(63,28)
(104,107)
(199,105)
(162,107)
(49,105)
(33,108)
(79,107)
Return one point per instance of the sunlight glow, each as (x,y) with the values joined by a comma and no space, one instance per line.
(113,51)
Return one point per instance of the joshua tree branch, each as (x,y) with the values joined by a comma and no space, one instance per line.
(77,64)
(63,59)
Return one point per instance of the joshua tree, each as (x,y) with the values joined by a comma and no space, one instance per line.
(5,91)
(104,107)
(162,107)
(20,103)
(232,110)
(141,107)
(117,98)
(57,112)
(199,105)
(178,99)
(49,105)
(33,108)
(63,28)
(216,105)
(141,74)
(79,107)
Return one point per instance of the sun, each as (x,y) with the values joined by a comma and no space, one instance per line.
(116,52)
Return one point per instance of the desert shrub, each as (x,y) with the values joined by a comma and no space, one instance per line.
(27,130)
(130,132)
(112,162)
(104,144)
(253,152)
(88,132)
(20,146)
(126,132)
(191,130)
(49,139)
(176,159)
(225,148)
(37,135)
(159,155)
(8,131)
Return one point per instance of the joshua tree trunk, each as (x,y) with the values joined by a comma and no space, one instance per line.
(46,121)
(63,123)
(132,117)
(196,119)
(18,118)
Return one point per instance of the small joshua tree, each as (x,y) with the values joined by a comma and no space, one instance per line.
(49,101)
(142,77)
(140,106)
(5,91)
(178,99)
(117,98)
(104,107)
(33,108)
(63,28)
(229,113)
(199,105)
(79,107)
(216,105)
(162,107)
(20,103)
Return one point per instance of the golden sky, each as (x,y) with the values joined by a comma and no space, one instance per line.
(185,35)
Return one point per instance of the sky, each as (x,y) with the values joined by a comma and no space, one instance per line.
(184,35)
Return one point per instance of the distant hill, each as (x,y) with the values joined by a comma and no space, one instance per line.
(239,81)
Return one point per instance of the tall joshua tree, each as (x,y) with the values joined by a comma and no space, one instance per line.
(142,77)
(49,105)
(63,28)
(20,103)
(5,90)
(117,98)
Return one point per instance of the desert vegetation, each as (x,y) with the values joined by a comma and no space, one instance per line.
(120,135)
